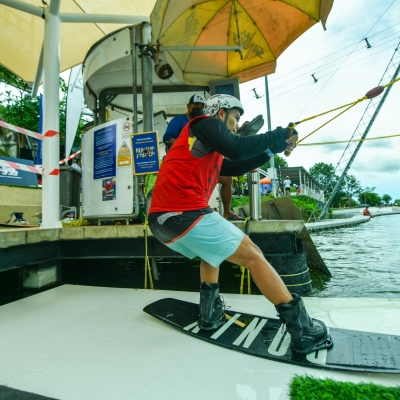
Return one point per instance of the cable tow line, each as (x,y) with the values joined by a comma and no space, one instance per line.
(376,91)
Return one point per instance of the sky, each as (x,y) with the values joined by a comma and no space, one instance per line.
(346,69)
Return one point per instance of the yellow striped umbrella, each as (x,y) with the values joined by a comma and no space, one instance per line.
(264,29)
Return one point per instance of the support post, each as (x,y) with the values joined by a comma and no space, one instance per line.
(272,160)
(39,74)
(51,125)
(134,77)
(147,82)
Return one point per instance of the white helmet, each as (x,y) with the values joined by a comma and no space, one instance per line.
(218,101)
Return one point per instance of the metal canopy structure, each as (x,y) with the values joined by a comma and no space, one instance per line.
(27,37)
(108,78)
(41,38)
(84,23)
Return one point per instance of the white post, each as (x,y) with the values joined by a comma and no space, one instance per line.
(51,120)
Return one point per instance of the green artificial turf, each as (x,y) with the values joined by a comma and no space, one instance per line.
(309,388)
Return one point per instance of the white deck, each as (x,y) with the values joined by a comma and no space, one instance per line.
(77,342)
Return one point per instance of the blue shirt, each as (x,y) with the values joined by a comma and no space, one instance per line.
(175,127)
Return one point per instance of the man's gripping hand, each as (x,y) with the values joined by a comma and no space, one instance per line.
(286,140)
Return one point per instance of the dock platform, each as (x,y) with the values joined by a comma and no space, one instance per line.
(84,343)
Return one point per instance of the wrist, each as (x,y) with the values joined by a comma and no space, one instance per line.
(269,152)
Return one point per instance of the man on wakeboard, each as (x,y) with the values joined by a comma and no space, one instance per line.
(181,218)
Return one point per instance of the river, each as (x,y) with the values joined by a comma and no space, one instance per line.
(364,260)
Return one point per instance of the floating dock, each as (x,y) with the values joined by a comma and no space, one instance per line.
(84,343)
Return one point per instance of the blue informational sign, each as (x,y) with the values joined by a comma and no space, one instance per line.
(17,177)
(104,157)
(146,158)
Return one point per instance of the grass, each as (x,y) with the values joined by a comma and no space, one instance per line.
(303,203)
(309,388)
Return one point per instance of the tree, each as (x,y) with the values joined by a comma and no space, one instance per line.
(277,161)
(386,198)
(324,174)
(22,110)
(351,188)
(368,196)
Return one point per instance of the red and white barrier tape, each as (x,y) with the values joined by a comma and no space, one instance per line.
(21,130)
(73,155)
(7,165)
(37,169)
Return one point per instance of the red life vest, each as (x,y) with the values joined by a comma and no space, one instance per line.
(184,182)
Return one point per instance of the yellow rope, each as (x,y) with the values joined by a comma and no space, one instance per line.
(348,108)
(333,109)
(348,141)
(300,273)
(75,222)
(349,105)
(391,83)
(300,284)
(147,259)
(243,269)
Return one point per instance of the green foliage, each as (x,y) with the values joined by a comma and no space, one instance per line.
(351,188)
(243,200)
(386,198)
(4,153)
(21,110)
(309,388)
(306,206)
(303,203)
(368,196)
(9,78)
(325,175)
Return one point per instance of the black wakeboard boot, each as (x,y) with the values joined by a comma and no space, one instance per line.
(211,307)
(307,334)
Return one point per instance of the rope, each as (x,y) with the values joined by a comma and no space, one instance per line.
(147,259)
(368,96)
(243,269)
(300,273)
(348,141)
(74,222)
(326,123)
(300,284)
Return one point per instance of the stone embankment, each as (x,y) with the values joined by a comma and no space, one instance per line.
(351,217)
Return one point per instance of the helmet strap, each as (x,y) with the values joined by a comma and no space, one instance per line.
(228,110)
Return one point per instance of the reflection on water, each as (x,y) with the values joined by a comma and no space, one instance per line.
(364,260)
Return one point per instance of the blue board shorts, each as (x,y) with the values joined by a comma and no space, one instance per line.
(201,233)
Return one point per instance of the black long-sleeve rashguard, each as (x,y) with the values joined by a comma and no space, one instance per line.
(243,153)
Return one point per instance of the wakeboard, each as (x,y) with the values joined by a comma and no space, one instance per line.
(266,338)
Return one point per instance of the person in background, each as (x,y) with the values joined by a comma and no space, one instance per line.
(286,183)
(181,218)
(175,126)
(366,213)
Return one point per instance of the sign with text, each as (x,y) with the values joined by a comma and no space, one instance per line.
(17,177)
(145,150)
(104,157)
